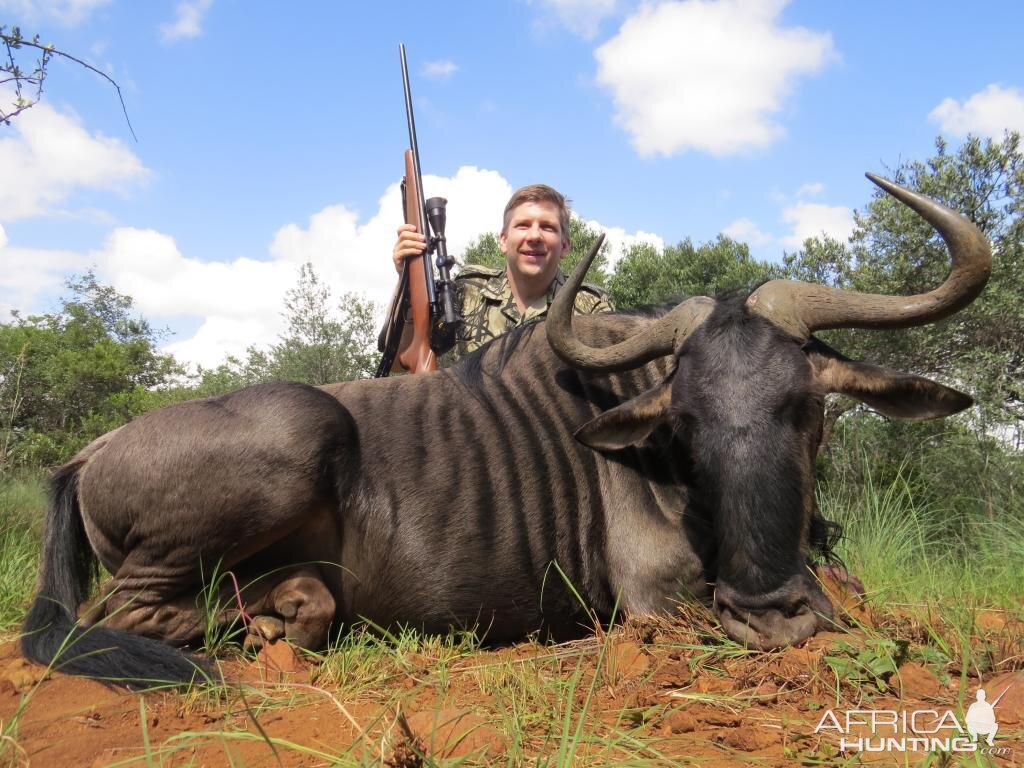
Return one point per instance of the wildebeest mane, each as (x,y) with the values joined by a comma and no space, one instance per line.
(653,310)
(468,369)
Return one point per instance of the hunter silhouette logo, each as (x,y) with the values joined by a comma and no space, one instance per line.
(981,717)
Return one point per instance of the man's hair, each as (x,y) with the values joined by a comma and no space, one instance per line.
(539,193)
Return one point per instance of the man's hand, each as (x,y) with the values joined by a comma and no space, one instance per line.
(410,243)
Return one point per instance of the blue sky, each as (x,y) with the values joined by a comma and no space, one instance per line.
(271,135)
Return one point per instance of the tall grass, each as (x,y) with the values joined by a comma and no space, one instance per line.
(22,503)
(908,546)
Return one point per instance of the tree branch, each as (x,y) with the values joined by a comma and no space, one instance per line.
(15,41)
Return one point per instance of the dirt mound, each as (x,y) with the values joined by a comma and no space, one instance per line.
(655,692)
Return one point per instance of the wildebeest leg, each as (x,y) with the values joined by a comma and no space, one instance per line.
(292,603)
(175,619)
(298,607)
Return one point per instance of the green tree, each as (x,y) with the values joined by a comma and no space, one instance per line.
(321,345)
(646,275)
(979,349)
(318,347)
(960,466)
(484,251)
(67,377)
(581,240)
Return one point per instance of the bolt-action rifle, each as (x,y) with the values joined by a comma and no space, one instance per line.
(425,300)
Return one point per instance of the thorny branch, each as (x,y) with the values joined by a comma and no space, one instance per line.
(10,72)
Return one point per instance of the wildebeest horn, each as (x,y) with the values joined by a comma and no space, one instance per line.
(802,308)
(665,335)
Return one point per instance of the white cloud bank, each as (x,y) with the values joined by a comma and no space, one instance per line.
(46,157)
(188,21)
(988,112)
(709,76)
(746,231)
(29,275)
(239,303)
(802,218)
(816,219)
(50,154)
(620,241)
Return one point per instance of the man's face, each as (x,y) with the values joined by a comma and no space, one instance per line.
(533,241)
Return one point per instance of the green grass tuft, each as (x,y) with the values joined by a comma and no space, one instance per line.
(22,507)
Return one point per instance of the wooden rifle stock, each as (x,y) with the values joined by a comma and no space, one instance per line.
(405,339)
(417,357)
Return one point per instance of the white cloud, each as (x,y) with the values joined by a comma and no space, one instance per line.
(50,155)
(69,13)
(354,256)
(348,254)
(709,76)
(220,336)
(581,17)
(31,276)
(988,112)
(188,21)
(815,219)
(240,302)
(620,241)
(439,70)
(148,266)
(746,231)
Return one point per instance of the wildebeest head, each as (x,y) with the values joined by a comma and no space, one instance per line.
(745,400)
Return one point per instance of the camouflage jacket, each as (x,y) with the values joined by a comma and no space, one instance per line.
(488,309)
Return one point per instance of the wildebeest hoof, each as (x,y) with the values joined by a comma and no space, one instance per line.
(263,630)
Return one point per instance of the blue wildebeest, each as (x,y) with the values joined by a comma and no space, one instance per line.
(650,455)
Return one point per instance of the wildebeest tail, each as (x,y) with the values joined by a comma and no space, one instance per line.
(54,638)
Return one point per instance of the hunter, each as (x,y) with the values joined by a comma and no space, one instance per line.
(535,239)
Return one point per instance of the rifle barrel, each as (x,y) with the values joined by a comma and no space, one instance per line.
(428,269)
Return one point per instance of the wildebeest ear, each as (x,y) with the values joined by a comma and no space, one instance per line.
(629,423)
(891,393)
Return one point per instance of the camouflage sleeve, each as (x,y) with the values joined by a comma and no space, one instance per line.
(469,303)
(590,300)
